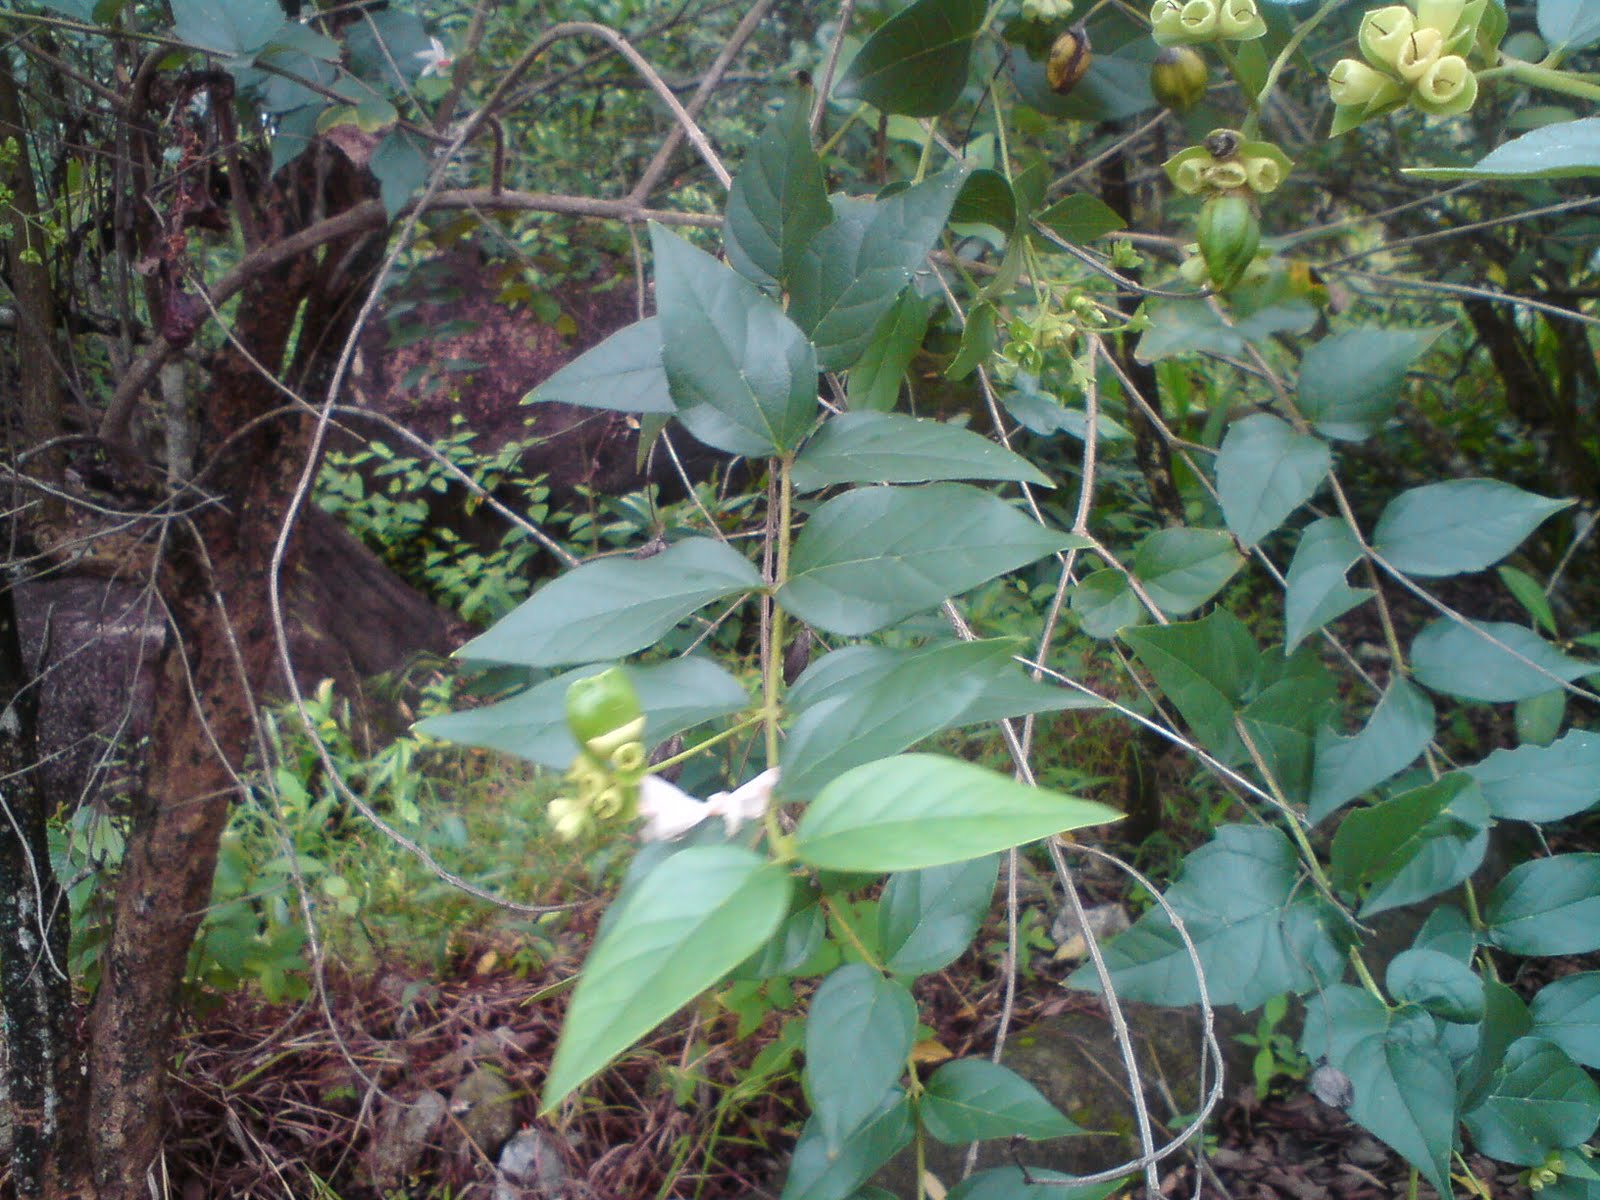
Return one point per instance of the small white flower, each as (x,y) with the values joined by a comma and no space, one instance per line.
(670,812)
(436,60)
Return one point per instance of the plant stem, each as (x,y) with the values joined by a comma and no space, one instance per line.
(1278,64)
(772,669)
(1362,973)
(714,739)
(1547,78)
(1231,61)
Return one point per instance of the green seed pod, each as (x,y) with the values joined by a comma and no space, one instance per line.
(1178,78)
(628,758)
(1069,60)
(1229,233)
(600,704)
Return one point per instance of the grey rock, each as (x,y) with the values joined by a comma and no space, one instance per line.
(481,1105)
(530,1168)
(404,1130)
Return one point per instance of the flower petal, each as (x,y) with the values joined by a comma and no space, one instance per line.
(669,811)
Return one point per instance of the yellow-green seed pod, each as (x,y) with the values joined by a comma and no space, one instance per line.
(1225,176)
(603,746)
(1229,234)
(1069,60)
(1418,54)
(1384,33)
(1354,83)
(1240,21)
(1178,78)
(628,757)
(1448,89)
(600,703)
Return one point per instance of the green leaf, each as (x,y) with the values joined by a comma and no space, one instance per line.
(820,1172)
(876,377)
(872,447)
(1505,1019)
(1259,931)
(859,1031)
(1265,471)
(614,606)
(875,555)
(384,46)
(229,27)
(977,342)
(1448,931)
(1010,1183)
(1205,668)
(674,695)
(1442,985)
(1447,851)
(1317,592)
(1547,906)
(1542,783)
(1282,722)
(1540,1101)
(1116,85)
(1539,718)
(985,199)
(1104,603)
(916,63)
(1349,382)
(928,918)
(1183,568)
(792,950)
(1396,733)
(1191,326)
(1457,526)
(694,918)
(1459,660)
(778,201)
(400,167)
(973,1099)
(1567,150)
(1567,1012)
(1405,1091)
(852,272)
(1080,218)
(920,810)
(624,373)
(1375,844)
(743,376)
(915,698)
(1530,595)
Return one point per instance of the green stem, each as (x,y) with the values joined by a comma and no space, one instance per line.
(1367,981)
(1542,77)
(701,747)
(1229,60)
(833,140)
(1282,61)
(927,151)
(772,669)
(850,935)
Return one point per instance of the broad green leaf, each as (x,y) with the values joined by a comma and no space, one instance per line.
(743,377)
(921,810)
(1080,218)
(1010,1183)
(1116,85)
(876,377)
(674,695)
(1183,568)
(1458,526)
(384,48)
(1349,382)
(1542,783)
(1564,151)
(1531,596)
(623,373)
(1448,850)
(1405,1089)
(1259,931)
(1205,668)
(1448,931)
(1547,906)
(875,555)
(1567,1012)
(778,201)
(820,1172)
(1374,844)
(872,447)
(1442,985)
(793,949)
(978,340)
(614,606)
(852,272)
(1265,471)
(1282,722)
(1191,326)
(693,919)
(916,63)
(985,199)
(229,27)
(973,1099)
(916,698)
(1462,660)
(1540,1101)
(1539,718)
(1317,591)
(400,167)
(1396,733)
(928,918)
(1104,603)
(859,1030)
(1505,1019)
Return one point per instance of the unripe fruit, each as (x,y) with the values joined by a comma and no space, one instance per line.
(1229,233)
(602,704)
(1178,78)
(1069,60)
